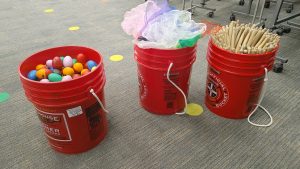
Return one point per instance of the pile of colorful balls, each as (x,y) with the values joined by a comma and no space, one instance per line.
(62,69)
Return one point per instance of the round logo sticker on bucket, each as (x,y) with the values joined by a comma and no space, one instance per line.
(142,86)
(216,91)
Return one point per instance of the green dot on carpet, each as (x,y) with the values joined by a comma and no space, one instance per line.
(3,96)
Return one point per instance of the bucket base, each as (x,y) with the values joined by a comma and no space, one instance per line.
(84,149)
(224,115)
(155,112)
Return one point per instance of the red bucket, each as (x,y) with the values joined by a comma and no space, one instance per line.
(234,81)
(157,94)
(71,117)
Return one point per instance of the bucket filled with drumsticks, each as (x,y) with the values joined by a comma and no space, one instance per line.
(239,57)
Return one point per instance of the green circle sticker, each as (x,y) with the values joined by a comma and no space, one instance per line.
(3,96)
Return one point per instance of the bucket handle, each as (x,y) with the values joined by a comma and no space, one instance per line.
(99,101)
(178,88)
(260,106)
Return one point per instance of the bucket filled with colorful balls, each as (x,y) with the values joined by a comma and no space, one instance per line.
(66,86)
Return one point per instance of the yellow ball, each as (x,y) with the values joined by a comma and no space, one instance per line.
(93,68)
(43,73)
(78,67)
(68,71)
(40,66)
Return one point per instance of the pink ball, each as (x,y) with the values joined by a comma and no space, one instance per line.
(49,63)
(66,78)
(44,81)
(68,61)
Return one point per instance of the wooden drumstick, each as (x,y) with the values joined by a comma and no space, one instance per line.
(257,37)
(252,36)
(233,36)
(218,39)
(242,38)
(256,50)
(261,40)
(271,48)
(264,42)
(236,39)
(247,38)
(227,35)
(241,30)
(226,47)
(230,33)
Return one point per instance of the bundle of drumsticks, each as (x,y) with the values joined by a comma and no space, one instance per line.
(245,38)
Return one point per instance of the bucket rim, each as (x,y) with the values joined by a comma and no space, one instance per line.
(166,50)
(269,67)
(156,56)
(211,59)
(60,82)
(68,104)
(101,78)
(101,85)
(241,54)
(190,64)
(167,60)
(235,60)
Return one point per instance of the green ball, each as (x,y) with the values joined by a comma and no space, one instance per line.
(62,58)
(54,77)
(74,61)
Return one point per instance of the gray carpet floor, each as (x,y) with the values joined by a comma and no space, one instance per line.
(136,138)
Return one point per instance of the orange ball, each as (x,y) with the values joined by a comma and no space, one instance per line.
(78,67)
(68,71)
(43,73)
(84,72)
(40,66)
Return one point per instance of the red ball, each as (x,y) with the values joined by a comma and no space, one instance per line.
(81,58)
(47,72)
(76,76)
(57,63)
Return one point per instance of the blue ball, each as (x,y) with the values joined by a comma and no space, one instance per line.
(91,64)
(32,75)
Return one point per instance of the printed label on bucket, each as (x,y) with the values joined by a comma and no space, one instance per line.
(94,120)
(142,86)
(216,91)
(170,92)
(76,111)
(55,125)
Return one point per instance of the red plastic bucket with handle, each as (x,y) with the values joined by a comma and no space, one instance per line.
(72,118)
(157,94)
(235,81)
